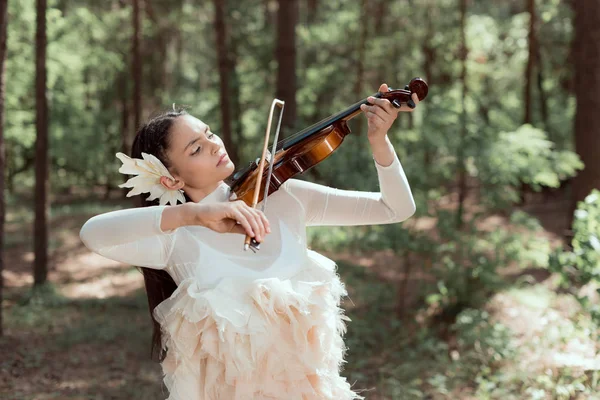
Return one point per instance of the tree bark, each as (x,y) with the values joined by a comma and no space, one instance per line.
(224,75)
(530,62)
(462,170)
(586,52)
(312,6)
(236,107)
(527,98)
(429,56)
(543,96)
(124,100)
(136,65)
(380,12)
(285,53)
(42,183)
(3,34)
(360,59)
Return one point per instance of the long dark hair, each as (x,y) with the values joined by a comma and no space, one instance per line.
(154,138)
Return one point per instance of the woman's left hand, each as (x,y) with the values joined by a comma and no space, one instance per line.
(381,114)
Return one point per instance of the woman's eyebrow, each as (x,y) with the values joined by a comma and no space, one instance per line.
(191,143)
(206,129)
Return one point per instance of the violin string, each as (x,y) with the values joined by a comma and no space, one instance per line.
(331,118)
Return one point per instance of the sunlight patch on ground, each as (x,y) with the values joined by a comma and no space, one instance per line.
(91,275)
(108,286)
(546,329)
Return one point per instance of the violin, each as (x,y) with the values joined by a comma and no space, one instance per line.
(305,149)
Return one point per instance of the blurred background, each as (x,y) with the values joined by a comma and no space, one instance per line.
(489,292)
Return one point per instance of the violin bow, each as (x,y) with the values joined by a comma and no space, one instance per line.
(251,243)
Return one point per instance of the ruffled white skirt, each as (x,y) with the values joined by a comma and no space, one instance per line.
(257,340)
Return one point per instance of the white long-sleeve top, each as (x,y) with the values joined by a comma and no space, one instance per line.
(134,236)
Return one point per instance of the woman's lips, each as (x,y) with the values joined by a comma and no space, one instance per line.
(221,159)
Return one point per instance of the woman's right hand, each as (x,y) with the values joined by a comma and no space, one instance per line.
(230,217)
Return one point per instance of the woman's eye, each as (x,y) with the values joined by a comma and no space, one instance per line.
(197,150)
(211,135)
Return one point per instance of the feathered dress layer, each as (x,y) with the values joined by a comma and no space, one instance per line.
(256,340)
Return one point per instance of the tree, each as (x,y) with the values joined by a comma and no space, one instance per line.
(530,62)
(287,18)
(531,59)
(224,62)
(462,168)
(586,53)
(3,34)
(42,182)
(136,65)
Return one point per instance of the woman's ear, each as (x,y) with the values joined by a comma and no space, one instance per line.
(171,184)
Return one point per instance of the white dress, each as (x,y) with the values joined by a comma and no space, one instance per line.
(246,326)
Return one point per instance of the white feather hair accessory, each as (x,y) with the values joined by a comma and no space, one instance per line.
(148,171)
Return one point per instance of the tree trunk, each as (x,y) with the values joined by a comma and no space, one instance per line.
(543,96)
(136,66)
(42,183)
(530,62)
(3,33)
(124,99)
(462,170)
(312,6)
(287,17)
(224,70)
(527,119)
(429,55)
(360,60)
(586,52)
(379,14)
(236,107)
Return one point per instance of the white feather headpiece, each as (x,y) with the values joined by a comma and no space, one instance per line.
(148,171)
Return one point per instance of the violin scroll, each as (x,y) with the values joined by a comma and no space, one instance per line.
(399,96)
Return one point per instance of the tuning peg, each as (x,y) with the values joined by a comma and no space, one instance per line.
(406,87)
(396,103)
(410,103)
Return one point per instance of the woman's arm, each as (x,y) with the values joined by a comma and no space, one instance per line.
(394,203)
(324,205)
(132,236)
(146,236)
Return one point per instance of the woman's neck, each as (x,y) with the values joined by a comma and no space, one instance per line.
(197,194)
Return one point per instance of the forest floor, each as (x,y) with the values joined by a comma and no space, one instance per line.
(87,336)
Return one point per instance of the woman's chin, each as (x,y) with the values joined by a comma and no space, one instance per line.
(226,170)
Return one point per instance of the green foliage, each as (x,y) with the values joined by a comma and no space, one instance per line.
(524,155)
(581,266)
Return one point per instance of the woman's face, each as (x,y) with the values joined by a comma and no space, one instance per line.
(197,156)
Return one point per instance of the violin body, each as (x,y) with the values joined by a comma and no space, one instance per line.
(307,148)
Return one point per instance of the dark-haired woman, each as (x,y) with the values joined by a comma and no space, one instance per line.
(229,324)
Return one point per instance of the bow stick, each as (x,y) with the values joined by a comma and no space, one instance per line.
(251,243)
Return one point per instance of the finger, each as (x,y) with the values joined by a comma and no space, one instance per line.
(375,110)
(405,108)
(259,221)
(383,88)
(243,221)
(382,103)
(415,98)
(237,228)
(380,112)
(265,221)
(253,222)
(374,119)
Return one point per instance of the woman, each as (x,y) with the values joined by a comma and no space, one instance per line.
(230,324)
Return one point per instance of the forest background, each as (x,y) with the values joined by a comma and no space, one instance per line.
(489,292)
